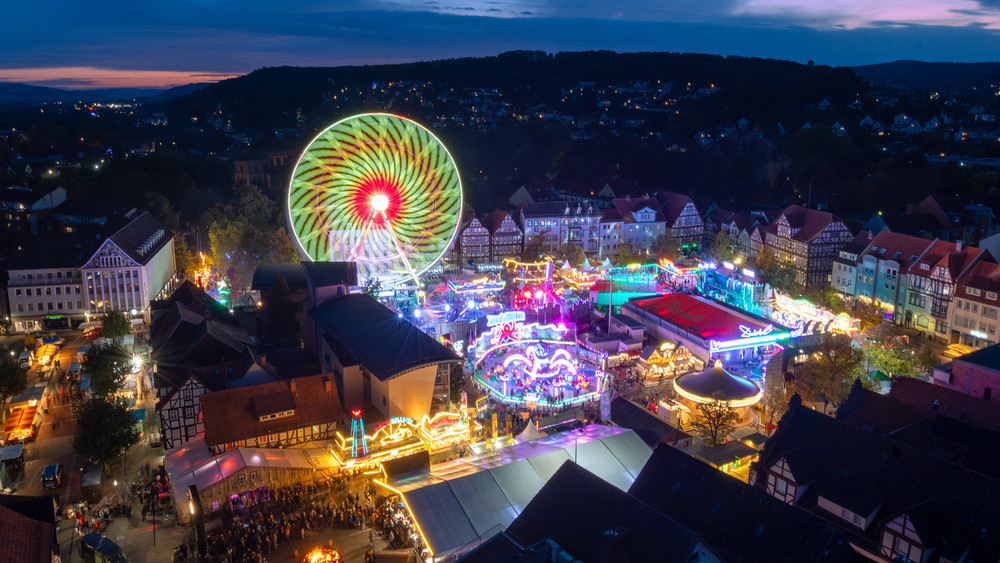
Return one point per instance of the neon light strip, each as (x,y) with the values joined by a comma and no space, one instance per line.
(740,343)
(413,518)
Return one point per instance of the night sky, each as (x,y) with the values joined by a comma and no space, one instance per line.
(160,43)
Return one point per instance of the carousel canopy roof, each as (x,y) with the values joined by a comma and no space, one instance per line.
(701,386)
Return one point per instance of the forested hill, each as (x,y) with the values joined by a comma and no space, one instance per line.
(759,89)
(946,78)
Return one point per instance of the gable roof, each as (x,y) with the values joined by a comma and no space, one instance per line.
(595,521)
(384,343)
(142,238)
(673,205)
(28,529)
(807,224)
(232,415)
(495,220)
(741,523)
(871,474)
(948,402)
(984,276)
(904,249)
(947,254)
(626,208)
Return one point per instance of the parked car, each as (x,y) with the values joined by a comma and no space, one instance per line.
(52,476)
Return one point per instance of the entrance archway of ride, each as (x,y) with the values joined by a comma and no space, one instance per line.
(595,379)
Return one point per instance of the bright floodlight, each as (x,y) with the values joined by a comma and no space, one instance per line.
(380,202)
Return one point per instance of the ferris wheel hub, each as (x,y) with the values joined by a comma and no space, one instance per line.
(380,202)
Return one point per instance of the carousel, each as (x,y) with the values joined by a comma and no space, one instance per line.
(705,386)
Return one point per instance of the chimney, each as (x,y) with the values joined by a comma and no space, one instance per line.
(935,405)
(291,385)
(263,361)
(327,384)
(958,246)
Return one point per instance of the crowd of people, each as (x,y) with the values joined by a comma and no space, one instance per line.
(151,489)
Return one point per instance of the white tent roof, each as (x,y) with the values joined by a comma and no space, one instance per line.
(586,265)
(469,499)
(529,433)
(566,265)
(606,263)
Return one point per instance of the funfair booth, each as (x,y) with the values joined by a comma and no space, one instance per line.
(710,329)
(531,364)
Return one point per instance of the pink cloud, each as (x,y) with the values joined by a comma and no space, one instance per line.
(80,77)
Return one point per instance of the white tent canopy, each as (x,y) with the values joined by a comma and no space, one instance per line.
(529,433)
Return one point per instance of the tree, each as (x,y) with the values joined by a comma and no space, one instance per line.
(107,365)
(777,274)
(115,324)
(891,350)
(716,419)
(13,377)
(772,405)
(280,311)
(828,373)
(628,254)
(723,247)
(184,260)
(372,287)
(572,253)
(666,246)
(105,429)
(533,251)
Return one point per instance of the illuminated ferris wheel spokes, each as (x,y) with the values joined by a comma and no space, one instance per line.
(379,190)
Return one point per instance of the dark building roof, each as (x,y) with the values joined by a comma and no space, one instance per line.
(651,428)
(947,402)
(264,276)
(554,208)
(197,301)
(595,521)
(810,223)
(38,254)
(742,524)
(142,238)
(725,453)
(717,380)
(382,342)
(27,526)
(952,508)
(232,415)
(183,338)
(988,357)
(325,274)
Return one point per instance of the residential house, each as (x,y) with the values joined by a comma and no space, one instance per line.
(976,374)
(474,242)
(44,286)
(845,265)
(882,268)
(975,309)
(806,240)
(506,238)
(891,500)
(278,414)
(684,224)
(931,283)
(553,224)
(637,222)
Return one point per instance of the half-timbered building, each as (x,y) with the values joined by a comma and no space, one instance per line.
(506,238)
(279,414)
(806,240)
(474,242)
(931,282)
(895,499)
(683,222)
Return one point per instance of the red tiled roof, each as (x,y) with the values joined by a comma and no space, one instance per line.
(24,539)
(230,415)
(951,403)
(673,205)
(809,222)
(901,248)
(985,277)
(495,220)
(945,253)
(626,206)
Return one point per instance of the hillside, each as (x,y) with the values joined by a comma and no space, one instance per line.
(946,78)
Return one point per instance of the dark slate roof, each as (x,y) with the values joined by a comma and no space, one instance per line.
(131,238)
(266,275)
(385,344)
(554,208)
(741,523)
(325,274)
(27,525)
(595,521)
(54,254)
(501,548)
(230,415)
(197,301)
(988,357)
(950,403)
(649,427)
(863,472)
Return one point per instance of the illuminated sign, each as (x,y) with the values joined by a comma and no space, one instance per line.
(505,317)
(748,332)
(748,273)
(978,334)
(757,337)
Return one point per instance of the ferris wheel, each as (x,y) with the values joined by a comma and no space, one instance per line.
(379,190)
